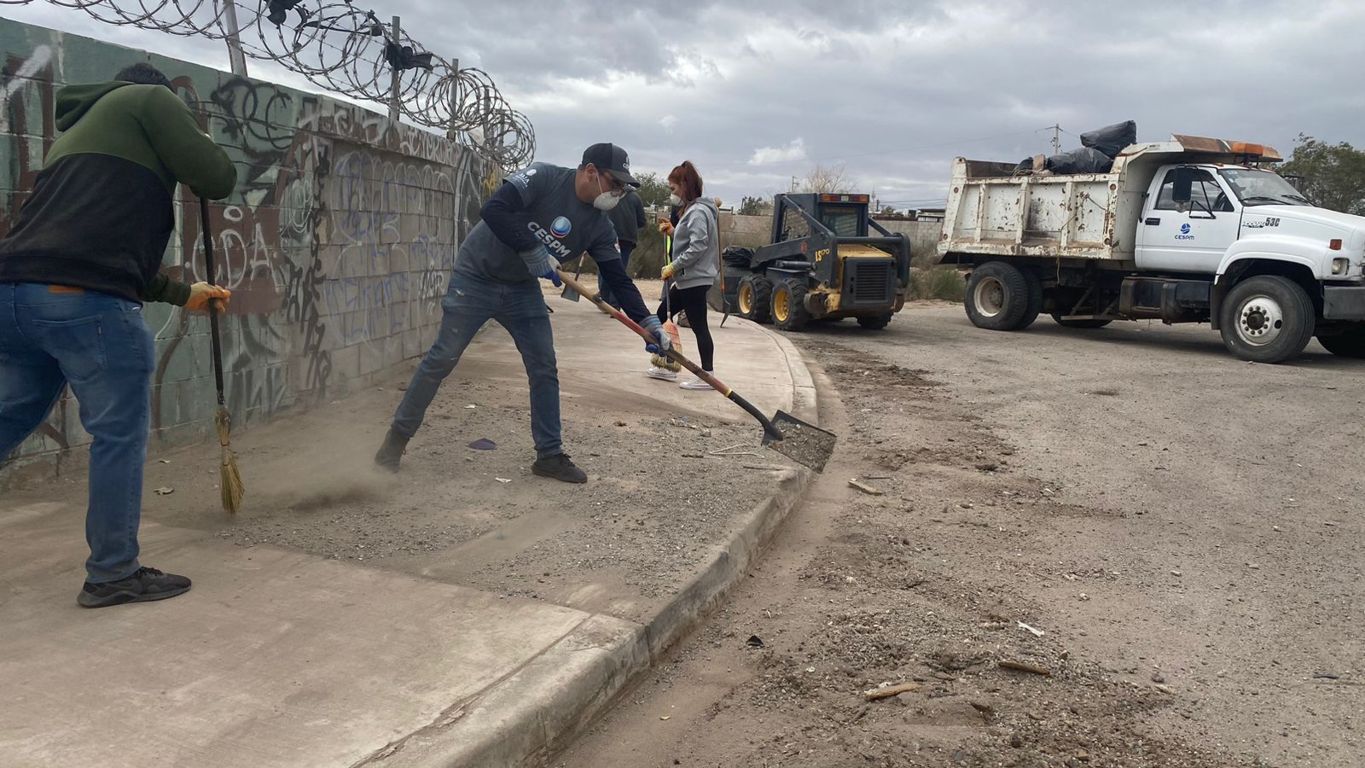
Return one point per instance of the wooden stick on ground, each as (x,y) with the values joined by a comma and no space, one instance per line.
(1024,666)
(889,691)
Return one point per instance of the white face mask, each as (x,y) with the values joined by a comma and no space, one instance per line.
(674,200)
(605,201)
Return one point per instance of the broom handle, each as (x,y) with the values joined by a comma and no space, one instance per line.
(213,303)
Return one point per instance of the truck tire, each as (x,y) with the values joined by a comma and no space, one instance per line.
(1346,342)
(1035,300)
(1087,323)
(789,305)
(1267,319)
(755,298)
(997,296)
(875,322)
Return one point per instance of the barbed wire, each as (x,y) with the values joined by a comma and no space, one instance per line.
(347,50)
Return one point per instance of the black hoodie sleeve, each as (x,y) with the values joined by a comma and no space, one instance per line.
(166,291)
(503,213)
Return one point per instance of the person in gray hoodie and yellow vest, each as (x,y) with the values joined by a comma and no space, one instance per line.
(75,270)
(693,269)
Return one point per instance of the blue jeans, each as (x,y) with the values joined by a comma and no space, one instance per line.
(627,247)
(100,345)
(520,308)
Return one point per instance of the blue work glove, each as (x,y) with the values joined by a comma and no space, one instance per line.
(661,343)
(541,263)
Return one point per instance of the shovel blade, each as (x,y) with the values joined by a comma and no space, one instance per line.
(801,442)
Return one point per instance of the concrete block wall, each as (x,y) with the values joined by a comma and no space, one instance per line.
(338,241)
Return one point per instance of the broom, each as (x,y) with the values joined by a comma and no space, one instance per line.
(231,480)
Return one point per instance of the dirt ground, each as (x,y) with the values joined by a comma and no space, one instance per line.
(1173,535)
(657,503)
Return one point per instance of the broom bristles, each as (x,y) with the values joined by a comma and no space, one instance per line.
(230,479)
(675,338)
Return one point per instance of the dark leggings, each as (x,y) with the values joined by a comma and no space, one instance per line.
(693,302)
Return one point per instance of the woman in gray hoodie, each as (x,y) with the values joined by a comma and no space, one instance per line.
(694,266)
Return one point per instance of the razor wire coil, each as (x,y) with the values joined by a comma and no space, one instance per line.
(347,50)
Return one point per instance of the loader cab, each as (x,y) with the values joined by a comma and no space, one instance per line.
(844,215)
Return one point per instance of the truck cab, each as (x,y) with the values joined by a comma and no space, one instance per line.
(1205,218)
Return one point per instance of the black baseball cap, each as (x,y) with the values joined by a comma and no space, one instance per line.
(613,160)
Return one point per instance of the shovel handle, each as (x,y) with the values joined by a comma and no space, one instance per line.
(770,431)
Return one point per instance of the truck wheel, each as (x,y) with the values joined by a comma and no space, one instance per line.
(1088,323)
(789,305)
(997,296)
(1348,342)
(1267,319)
(755,298)
(1035,300)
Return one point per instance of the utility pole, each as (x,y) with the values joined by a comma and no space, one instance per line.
(397,73)
(236,58)
(1056,139)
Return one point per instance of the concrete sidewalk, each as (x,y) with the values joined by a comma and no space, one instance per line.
(465,613)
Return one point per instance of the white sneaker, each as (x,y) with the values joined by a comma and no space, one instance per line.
(663,374)
(692,382)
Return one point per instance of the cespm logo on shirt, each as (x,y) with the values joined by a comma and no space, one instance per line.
(561,226)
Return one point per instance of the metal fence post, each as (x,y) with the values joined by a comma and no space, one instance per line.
(236,58)
(397,73)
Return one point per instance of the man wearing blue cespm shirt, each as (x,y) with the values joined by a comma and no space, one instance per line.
(541,216)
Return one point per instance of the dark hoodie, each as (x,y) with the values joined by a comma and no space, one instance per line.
(100,214)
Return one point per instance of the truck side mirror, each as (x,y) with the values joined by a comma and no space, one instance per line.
(1182,184)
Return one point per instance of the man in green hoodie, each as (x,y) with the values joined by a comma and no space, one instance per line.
(83,256)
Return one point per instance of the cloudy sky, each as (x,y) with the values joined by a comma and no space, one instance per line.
(758,92)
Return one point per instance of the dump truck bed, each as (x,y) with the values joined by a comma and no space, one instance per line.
(992,212)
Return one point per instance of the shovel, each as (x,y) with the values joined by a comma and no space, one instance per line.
(799,441)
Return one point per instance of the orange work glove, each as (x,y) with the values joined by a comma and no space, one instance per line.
(200,293)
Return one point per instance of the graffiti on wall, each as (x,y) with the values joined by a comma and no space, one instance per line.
(338,241)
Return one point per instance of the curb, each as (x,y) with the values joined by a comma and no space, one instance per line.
(524,719)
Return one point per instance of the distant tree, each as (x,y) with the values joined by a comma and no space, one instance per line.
(1330,175)
(653,190)
(755,206)
(888,210)
(827,180)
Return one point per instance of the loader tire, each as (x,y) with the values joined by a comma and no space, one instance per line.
(755,298)
(875,322)
(789,305)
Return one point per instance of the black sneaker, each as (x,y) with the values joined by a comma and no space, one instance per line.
(145,585)
(391,452)
(560,468)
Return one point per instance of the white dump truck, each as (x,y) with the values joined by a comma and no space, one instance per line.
(1190,230)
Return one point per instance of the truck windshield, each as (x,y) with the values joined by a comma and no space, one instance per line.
(1254,187)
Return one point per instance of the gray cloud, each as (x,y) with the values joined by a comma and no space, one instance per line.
(892,91)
